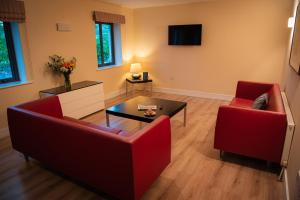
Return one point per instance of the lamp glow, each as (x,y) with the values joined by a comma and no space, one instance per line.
(291,22)
(135,69)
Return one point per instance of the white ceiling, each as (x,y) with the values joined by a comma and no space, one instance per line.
(150,3)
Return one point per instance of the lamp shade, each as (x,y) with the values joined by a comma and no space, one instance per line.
(135,68)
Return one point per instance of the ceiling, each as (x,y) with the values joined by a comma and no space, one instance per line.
(150,3)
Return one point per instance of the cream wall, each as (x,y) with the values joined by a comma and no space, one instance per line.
(241,40)
(41,40)
(292,89)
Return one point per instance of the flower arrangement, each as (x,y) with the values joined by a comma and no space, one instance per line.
(59,65)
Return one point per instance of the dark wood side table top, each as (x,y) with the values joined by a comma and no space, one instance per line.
(75,86)
(129,109)
(130,80)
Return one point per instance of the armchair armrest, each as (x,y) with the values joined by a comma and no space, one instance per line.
(251,90)
(250,132)
(151,152)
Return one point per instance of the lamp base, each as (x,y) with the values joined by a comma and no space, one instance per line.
(136,76)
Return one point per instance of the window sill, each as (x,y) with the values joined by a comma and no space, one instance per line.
(109,67)
(14,84)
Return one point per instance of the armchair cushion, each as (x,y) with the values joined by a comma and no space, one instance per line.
(261,102)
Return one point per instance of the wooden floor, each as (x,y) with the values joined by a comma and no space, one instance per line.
(196,172)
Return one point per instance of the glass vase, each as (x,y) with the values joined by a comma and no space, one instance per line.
(67,81)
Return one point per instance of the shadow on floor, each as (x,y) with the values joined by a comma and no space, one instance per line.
(100,194)
(251,162)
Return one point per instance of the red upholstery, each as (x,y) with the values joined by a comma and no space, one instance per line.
(239,102)
(251,90)
(250,132)
(275,101)
(47,106)
(123,167)
(142,147)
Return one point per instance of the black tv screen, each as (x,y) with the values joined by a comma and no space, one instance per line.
(185,34)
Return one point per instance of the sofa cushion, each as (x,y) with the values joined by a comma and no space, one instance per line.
(261,102)
(239,102)
(99,127)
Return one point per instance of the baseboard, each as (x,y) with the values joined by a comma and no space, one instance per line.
(4,132)
(114,94)
(194,93)
(286,186)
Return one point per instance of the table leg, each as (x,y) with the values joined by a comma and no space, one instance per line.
(184,117)
(107,120)
(141,124)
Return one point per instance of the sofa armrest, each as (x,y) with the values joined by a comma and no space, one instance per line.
(151,151)
(251,90)
(251,132)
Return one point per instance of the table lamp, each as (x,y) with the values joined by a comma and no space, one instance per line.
(135,69)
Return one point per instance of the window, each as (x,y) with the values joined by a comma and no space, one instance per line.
(8,62)
(105,44)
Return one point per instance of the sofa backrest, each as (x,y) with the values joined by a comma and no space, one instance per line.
(47,106)
(251,90)
(275,100)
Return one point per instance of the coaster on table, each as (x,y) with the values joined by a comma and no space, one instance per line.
(147,107)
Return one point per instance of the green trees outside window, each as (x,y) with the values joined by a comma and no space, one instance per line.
(105,44)
(8,64)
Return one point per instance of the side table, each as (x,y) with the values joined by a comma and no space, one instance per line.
(138,81)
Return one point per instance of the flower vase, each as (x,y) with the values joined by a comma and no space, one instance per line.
(67,81)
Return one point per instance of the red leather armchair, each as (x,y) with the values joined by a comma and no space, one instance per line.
(121,164)
(246,131)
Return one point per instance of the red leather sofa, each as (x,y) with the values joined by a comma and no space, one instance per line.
(116,162)
(250,132)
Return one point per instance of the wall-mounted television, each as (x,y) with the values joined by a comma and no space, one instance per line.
(189,34)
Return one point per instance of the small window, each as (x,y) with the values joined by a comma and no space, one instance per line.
(8,62)
(105,44)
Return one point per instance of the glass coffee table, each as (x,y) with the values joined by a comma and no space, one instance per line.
(129,109)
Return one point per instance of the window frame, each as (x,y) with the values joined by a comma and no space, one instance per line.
(101,45)
(11,54)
